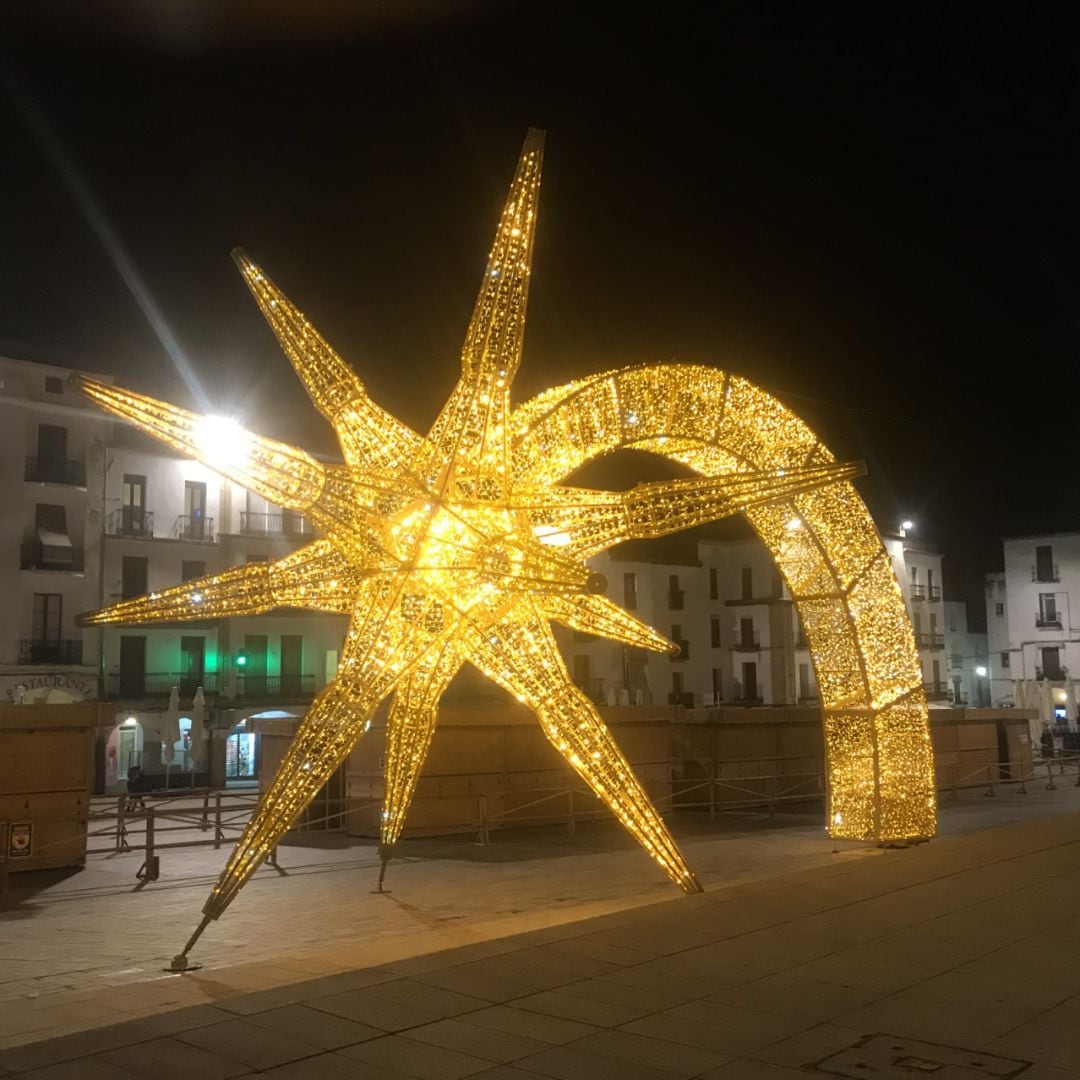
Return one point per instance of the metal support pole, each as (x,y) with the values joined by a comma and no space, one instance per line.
(571,820)
(150,868)
(990,792)
(121,823)
(205,811)
(217,820)
(484,839)
(1050,785)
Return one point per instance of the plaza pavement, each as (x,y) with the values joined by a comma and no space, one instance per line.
(957,959)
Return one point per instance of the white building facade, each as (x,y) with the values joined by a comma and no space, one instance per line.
(1033,637)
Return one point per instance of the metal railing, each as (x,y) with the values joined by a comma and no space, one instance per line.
(130,521)
(34,556)
(134,823)
(933,592)
(266,524)
(676,599)
(55,471)
(50,652)
(1046,621)
(1060,675)
(682,654)
(1047,573)
(747,642)
(189,527)
(918,592)
(247,686)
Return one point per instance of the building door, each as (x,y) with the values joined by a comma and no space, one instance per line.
(46,644)
(132,666)
(749,681)
(717,685)
(292,663)
(747,581)
(746,632)
(938,687)
(254,670)
(1051,663)
(805,693)
(133,582)
(52,453)
(133,505)
(192,664)
(1044,563)
(195,510)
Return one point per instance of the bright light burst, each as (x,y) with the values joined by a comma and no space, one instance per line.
(464,545)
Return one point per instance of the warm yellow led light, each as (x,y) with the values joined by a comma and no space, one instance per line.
(464,545)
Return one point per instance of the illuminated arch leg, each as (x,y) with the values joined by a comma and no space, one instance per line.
(409,730)
(522,656)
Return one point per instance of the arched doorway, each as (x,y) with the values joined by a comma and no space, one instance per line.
(878,755)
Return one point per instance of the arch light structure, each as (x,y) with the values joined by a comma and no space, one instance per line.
(465,544)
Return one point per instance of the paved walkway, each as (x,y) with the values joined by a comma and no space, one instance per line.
(972,942)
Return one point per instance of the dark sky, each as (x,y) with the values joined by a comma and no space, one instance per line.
(869,210)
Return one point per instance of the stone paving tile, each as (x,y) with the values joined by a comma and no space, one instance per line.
(478,984)
(808,1045)
(565,963)
(813,1002)
(321,1029)
(748,1069)
(170,1059)
(636,999)
(882,976)
(416,1059)
(82,1069)
(305,991)
(1046,1039)
(532,1025)
(506,1072)
(532,974)
(432,999)
(84,1043)
(682,1061)
(329,1067)
(570,1063)
(721,1039)
(366,1008)
(487,1043)
(254,1046)
(583,1010)
(598,950)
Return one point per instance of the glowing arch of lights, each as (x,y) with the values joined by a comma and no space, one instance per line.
(879,764)
(434,546)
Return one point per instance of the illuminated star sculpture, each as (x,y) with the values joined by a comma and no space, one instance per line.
(461,545)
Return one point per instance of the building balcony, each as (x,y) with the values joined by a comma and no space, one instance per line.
(933,593)
(290,525)
(935,691)
(151,684)
(918,592)
(747,642)
(934,641)
(682,654)
(55,471)
(681,697)
(34,555)
(190,527)
(50,652)
(1046,574)
(130,521)
(676,599)
(1058,675)
(1046,621)
(749,701)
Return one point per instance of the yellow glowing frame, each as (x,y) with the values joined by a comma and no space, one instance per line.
(464,545)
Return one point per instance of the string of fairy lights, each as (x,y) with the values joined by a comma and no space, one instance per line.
(464,546)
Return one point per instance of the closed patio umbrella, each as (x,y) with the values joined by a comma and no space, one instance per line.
(198,729)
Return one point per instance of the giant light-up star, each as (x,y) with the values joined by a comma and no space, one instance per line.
(464,546)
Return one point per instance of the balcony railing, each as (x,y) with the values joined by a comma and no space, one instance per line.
(747,642)
(258,524)
(130,521)
(933,593)
(33,555)
(50,652)
(918,592)
(924,640)
(1055,675)
(935,691)
(1045,573)
(676,599)
(1047,621)
(138,684)
(682,654)
(55,471)
(681,697)
(188,527)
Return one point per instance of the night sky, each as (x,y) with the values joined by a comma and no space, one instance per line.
(870,212)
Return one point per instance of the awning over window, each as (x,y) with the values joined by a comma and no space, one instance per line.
(55,546)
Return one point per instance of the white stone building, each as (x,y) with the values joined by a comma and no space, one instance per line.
(1033,637)
(968,658)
